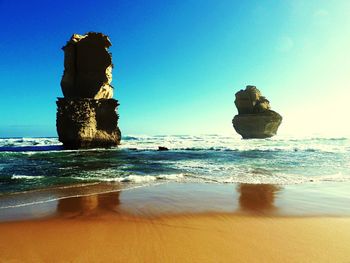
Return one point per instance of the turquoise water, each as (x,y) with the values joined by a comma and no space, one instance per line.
(304,172)
(28,164)
(38,163)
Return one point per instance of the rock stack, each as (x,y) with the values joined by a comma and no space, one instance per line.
(86,116)
(255,118)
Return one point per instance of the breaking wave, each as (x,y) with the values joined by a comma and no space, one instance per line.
(37,163)
(192,143)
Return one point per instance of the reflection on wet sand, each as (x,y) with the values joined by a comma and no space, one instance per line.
(253,198)
(257,198)
(89,205)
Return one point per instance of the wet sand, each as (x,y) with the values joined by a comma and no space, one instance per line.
(163,224)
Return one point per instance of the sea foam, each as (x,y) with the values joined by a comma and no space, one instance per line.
(211,158)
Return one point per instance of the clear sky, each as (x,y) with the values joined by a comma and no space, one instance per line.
(179,63)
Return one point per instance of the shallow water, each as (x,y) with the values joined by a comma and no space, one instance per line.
(28,164)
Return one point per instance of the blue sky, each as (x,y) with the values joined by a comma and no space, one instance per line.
(179,63)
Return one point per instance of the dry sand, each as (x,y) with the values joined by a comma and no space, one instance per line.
(182,238)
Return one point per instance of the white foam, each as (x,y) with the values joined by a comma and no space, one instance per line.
(136,179)
(171,176)
(276,179)
(139,178)
(207,142)
(21,142)
(234,143)
(26,177)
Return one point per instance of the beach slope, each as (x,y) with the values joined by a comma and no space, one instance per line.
(216,237)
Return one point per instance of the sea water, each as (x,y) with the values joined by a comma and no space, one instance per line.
(36,164)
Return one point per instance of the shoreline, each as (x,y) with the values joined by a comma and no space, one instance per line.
(171,198)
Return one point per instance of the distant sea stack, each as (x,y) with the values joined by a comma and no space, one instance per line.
(255,118)
(86,116)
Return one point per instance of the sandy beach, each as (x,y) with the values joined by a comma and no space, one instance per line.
(119,227)
(182,238)
(175,131)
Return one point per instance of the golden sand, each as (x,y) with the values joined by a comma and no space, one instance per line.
(181,238)
(138,227)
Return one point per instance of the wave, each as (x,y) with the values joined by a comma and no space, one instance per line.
(323,149)
(211,142)
(205,159)
(40,141)
(132,181)
(245,178)
(137,179)
(277,179)
(26,177)
(287,179)
(232,143)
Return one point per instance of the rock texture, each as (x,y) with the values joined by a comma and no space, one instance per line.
(255,118)
(87,67)
(86,116)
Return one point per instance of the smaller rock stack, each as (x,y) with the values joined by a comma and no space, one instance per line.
(86,116)
(255,118)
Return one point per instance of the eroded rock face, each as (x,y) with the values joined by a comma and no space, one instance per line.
(87,122)
(255,118)
(250,101)
(87,67)
(86,116)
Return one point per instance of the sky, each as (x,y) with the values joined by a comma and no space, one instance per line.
(178,64)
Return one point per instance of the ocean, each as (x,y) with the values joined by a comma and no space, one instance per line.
(34,165)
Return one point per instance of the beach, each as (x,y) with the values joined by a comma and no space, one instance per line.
(170,223)
(210,198)
(175,131)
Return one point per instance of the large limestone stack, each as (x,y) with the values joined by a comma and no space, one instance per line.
(86,116)
(255,118)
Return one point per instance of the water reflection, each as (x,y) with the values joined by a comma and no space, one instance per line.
(89,205)
(253,198)
(257,198)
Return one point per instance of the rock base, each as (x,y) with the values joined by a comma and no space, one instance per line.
(86,123)
(260,125)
